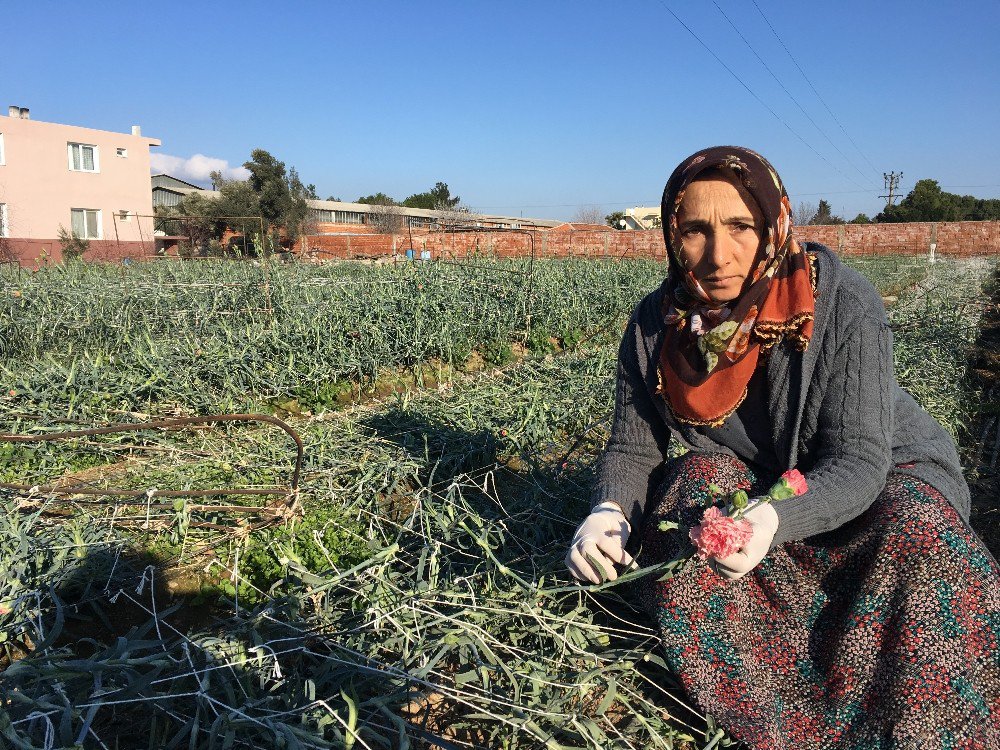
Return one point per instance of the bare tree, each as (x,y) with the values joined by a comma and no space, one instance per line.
(385,217)
(457,214)
(804,213)
(588,215)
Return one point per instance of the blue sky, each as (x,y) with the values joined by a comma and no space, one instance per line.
(533,108)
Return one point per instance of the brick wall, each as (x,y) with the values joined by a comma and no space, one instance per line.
(960,238)
(585,244)
(36,253)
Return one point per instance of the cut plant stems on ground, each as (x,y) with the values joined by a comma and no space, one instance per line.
(421,600)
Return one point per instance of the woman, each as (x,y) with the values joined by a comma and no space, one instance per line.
(863,613)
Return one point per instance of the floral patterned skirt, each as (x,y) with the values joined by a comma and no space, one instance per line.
(884,633)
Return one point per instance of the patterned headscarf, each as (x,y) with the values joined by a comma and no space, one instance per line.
(710,351)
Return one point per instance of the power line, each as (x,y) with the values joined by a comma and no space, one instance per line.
(655,201)
(572,205)
(843,129)
(790,96)
(754,95)
(651,202)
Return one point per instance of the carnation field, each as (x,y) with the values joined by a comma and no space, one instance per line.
(405,587)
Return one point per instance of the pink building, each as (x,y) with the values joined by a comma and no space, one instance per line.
(92,183)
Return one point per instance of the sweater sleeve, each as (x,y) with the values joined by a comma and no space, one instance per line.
(639,437)
(853,452)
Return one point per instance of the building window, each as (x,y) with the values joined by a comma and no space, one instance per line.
(83,158)
(122,152)
(124,215)
(321,215)
(2,156)
(328,216)
(348,217)
(86,223)
(3,219)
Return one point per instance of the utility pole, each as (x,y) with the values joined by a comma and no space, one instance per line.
(891,186)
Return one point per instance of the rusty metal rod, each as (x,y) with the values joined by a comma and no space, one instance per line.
(52,490)
(168,424)
(165,424)
(196,507)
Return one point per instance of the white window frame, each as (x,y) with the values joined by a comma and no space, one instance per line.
(122,153)
(321,215)
(3,154)
(69,153)
(348,217)
(124,214)
(100,223)
(4,225)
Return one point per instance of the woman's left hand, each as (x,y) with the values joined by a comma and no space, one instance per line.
(764,520)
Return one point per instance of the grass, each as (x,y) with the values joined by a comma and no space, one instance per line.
(421,599)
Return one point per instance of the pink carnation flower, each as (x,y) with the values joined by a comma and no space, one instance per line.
(718,535)
(796,482)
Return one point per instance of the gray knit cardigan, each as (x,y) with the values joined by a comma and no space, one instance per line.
(838,414)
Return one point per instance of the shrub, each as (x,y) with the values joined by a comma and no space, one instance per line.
(73,246)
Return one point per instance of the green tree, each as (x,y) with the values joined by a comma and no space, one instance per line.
(237,202)
(615,219)
(271,201)
(824,214)
(438,198)
(928,202)
(985,209)
(195,217)
(296,217)
(860,219)
(281,196)
(269,181)
(379,199)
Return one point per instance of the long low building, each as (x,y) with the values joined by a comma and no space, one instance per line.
(332,217)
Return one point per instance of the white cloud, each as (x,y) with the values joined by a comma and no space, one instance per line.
(196,168)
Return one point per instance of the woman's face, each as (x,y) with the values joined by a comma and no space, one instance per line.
(720,233)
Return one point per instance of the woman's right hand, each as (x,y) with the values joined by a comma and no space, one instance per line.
(599,544)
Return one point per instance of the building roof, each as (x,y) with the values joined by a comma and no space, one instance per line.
(164,183)
(187,191)
(426,213)
(169,181)
(575,226)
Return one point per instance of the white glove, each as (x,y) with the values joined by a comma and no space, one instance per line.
(764,520)
(598,544)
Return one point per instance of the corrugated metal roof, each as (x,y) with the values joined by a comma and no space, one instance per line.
(166,180)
